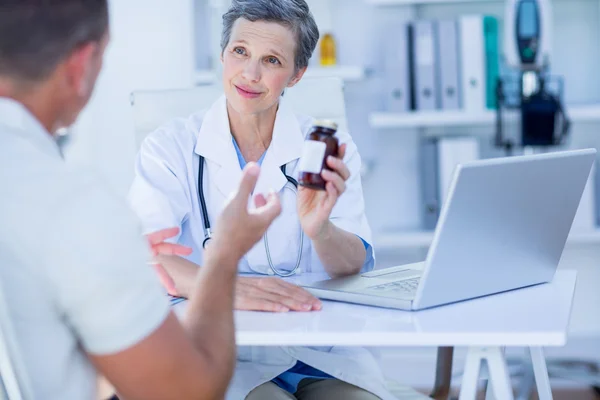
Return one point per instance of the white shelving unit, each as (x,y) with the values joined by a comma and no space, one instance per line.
(438,119)
(423,239)
(348,73)
(430,119)
(418,2)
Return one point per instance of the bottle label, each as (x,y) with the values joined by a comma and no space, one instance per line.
(313,154)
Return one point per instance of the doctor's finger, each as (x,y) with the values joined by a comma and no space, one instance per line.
(298,293)
(245,303)
(334,178)
(337,165)
(162,235)
(342,151)
(331,199)
(291,303)
(279,287)
(170,249)
(165,279)
(282,289)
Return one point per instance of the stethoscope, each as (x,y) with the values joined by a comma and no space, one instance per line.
(208,233)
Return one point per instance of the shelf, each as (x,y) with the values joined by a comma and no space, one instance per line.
(423,239)
(584,113)
(440,119)
(417,2)
(205,77)
(421,2)
(430,119)
(347,73)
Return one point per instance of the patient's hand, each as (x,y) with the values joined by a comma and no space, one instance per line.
(272,294)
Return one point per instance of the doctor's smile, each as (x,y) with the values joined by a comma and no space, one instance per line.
(247,93)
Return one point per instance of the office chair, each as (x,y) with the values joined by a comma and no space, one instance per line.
(316,97)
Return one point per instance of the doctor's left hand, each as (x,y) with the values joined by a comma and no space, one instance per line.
(315,206)
(159,246)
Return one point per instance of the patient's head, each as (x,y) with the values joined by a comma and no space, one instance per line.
(266,46)
(55,44)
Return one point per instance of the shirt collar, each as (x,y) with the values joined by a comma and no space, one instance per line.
(15,117)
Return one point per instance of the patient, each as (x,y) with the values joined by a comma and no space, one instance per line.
(73,263)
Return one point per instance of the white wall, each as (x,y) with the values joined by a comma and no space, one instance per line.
(151,48)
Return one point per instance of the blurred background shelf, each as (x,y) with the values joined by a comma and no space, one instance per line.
(439,119)
(415,239)
(348,73)
(419,2)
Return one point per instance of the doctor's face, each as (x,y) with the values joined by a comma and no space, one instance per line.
(258,64)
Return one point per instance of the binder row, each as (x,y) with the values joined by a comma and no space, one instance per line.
(443,65)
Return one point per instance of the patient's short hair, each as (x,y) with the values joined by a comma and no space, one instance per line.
(37,35)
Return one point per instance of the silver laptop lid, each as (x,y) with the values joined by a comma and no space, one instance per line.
(504,225)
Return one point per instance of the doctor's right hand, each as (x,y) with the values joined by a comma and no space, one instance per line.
(273,295)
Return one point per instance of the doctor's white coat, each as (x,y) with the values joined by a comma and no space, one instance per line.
(164,194)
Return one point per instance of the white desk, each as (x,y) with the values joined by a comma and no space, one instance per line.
(535,317)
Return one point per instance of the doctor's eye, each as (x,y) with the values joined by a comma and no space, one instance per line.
(239,50)
(273,60)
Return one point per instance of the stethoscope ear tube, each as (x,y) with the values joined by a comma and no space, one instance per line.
(204,211)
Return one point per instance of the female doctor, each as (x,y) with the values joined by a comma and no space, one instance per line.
(186,170)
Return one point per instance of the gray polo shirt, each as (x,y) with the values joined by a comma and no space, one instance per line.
(73,263)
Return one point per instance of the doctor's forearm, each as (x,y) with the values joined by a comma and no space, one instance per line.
(182,272)
(342,253)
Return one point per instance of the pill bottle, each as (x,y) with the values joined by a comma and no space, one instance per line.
(319,144)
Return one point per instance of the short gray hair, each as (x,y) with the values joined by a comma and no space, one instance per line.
(294,14)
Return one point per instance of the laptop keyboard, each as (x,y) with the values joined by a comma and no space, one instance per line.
(408,286)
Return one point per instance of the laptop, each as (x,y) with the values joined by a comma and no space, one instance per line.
(503,227)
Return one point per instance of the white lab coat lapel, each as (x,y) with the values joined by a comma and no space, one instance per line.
(286,146)
(215,145)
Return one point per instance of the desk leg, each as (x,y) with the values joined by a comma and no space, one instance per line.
(443,374)
(540,370)
(498,373)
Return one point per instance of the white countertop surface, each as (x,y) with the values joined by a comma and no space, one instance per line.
(535,316)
